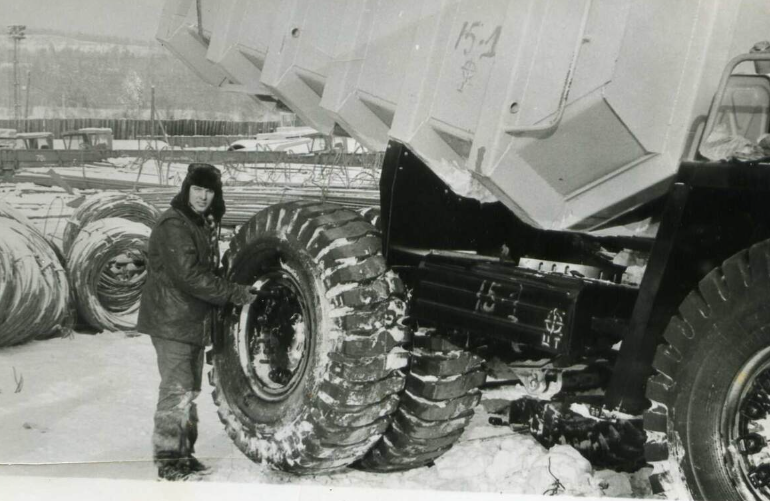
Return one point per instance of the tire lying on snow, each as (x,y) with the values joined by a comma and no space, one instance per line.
(436,405)
(308,376)
(707,427)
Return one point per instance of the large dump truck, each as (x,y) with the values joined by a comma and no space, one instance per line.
(566,183)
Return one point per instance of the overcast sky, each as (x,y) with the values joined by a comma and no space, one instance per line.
(124,18)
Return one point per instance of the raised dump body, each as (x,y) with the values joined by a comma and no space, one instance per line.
(571,112)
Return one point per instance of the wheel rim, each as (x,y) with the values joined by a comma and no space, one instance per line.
(745,426)
(274,335)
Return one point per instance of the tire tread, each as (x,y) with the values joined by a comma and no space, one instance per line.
(349,412)
(432,415)
(745,274)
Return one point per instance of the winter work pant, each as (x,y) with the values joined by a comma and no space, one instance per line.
(176,417)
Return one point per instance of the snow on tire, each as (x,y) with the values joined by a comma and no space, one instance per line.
(436,406)
(308,376)
(707,435)
(371,214)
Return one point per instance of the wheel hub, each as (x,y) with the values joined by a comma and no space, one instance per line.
(746,426)
(274,334)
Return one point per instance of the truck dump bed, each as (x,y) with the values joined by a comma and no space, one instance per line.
(571,112)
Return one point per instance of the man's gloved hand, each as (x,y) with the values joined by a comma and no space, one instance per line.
(243,295)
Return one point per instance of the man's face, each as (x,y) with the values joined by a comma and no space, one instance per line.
(200,198)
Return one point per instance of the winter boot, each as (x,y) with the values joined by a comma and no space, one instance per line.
(169,437)
(196,466)
(174,470)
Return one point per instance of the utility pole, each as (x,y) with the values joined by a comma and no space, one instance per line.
(26,102)
(152,117)
(16,32)
(9,104)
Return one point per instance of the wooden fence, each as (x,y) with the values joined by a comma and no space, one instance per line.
(123,128)
(62,158)
(216,141)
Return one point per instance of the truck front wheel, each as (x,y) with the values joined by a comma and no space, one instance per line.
(709,424)
(308,375)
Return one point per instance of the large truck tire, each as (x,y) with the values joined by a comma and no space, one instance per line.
(708,425)
(307,377)
(435,408)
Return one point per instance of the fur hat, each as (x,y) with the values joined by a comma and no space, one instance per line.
(204,175)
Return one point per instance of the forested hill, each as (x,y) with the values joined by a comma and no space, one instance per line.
(83,76)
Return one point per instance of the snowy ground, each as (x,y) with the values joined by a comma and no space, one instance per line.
(82,407)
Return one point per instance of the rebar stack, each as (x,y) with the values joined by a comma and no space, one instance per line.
(34,290)
(245,201)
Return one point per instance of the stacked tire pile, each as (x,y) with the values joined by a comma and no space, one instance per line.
(34,290)
(105,248)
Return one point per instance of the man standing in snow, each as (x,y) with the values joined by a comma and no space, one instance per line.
(177,309)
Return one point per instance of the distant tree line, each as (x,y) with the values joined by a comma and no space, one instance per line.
(90,37)
(69,81)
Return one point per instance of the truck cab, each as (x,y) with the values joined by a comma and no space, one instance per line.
(35,140)
(7,139)
(88,138)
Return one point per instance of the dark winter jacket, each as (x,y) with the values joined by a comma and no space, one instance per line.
(182,288)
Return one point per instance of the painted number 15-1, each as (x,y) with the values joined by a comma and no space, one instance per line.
(476,43)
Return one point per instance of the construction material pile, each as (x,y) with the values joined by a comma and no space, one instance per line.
(108,205)
(34,290)
(105,243)
(105,253)
(245,201)
(107,266)
(8,212)
(104,275)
